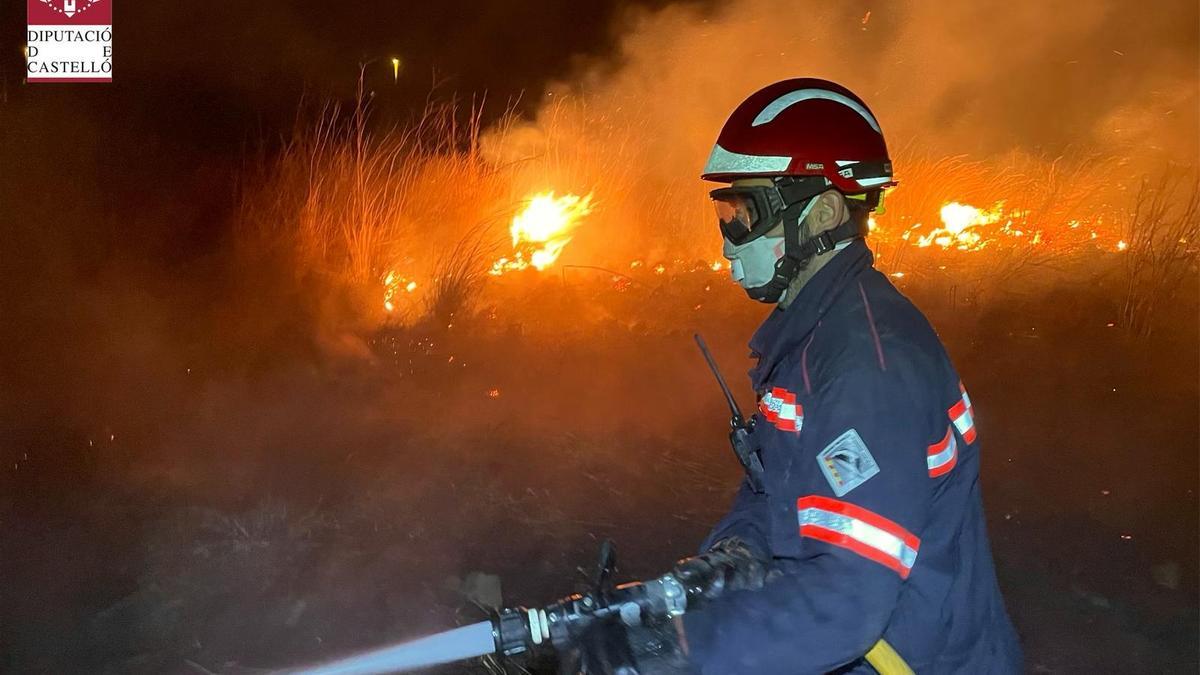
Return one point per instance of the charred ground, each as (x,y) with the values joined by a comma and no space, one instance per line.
(274,508)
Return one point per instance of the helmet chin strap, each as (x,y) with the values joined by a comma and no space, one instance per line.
(797,253)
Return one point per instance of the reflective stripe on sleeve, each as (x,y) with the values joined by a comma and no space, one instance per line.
(943,455)
(963,416)
(868,534)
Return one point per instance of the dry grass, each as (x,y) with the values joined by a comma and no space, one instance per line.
(1054,209)
(1161,232)
(459,275)
(345,204)
(270,520)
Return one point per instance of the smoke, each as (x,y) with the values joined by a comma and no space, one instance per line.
(196,399)
(990,80)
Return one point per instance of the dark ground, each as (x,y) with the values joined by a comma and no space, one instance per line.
(286,508)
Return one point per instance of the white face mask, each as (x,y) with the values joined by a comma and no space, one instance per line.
(753,264)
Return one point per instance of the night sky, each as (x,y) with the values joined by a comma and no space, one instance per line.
(200,72)
(197,86)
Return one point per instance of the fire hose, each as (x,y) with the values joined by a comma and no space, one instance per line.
(693,582)
(561,627)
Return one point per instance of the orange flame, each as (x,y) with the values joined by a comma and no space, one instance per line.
(394,283)
(960,223)
(542,230)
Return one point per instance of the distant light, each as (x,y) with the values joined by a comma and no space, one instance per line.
(898,275)
(395,69)
(1121,245)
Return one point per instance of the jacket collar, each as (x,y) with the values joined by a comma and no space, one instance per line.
(785,329)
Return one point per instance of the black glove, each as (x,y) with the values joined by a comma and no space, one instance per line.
(609,647)
(730,565)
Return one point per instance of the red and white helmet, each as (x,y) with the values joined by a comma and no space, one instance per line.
(803,127)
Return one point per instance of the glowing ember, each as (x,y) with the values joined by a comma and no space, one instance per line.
(542,230)
(717,266)
(1121,245)
(392,284)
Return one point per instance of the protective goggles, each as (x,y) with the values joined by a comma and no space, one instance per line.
(747,212)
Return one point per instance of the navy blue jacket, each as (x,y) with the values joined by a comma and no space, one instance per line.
(872,513)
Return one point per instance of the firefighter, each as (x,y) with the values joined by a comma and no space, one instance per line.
(871,517)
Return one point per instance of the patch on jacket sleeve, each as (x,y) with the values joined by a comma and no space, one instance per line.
(847,463)
(778,406)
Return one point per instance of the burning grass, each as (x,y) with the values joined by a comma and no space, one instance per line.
(371,216)
(426,221)
(542,230)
